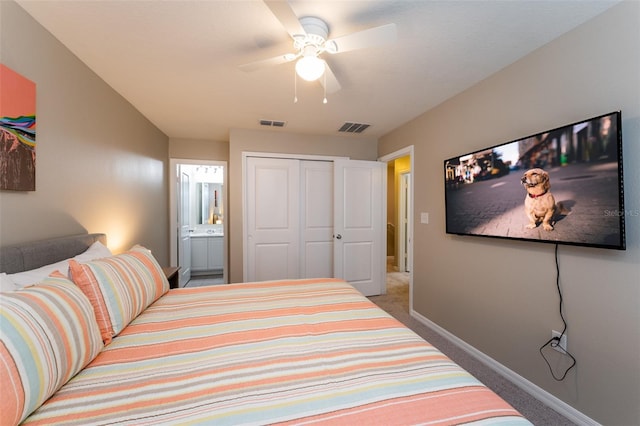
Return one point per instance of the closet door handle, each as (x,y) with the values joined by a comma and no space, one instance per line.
(339,236)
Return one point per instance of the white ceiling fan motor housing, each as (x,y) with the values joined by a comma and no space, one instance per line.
(317,32)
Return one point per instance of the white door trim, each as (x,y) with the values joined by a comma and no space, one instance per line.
(404,216)
(409,150)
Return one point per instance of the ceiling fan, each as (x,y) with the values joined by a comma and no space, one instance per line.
(311,39)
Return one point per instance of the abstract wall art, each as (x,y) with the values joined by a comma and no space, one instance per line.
(17,131)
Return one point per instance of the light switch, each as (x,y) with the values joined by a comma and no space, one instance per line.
(424,217)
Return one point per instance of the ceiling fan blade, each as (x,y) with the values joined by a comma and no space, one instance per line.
(372,37)
(289,20)
(264,63)
(332,85)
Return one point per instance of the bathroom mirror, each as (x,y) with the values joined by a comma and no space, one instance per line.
(209,203)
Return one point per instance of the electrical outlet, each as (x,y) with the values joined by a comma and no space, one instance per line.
(562,345)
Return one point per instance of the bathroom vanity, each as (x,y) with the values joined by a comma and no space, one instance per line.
(207,253)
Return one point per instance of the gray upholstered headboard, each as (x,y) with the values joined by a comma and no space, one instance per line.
(26,256)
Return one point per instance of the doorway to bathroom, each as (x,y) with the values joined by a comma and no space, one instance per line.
(198,230)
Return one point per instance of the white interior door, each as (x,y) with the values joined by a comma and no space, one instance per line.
(273,218)
(359,218)
(184,240)
(316,219)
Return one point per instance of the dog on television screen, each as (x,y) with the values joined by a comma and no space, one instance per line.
(539,204)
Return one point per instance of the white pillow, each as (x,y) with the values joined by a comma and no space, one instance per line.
(97,250)
(6,283)
(33,276)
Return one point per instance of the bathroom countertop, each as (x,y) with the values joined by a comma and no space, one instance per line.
(206,234)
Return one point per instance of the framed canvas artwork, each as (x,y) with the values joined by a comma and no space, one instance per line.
(17,131)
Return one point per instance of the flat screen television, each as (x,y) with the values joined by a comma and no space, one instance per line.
(561,186)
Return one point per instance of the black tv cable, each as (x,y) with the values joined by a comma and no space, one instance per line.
(554,342)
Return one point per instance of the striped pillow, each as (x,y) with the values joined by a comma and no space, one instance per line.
(48,334)
(120,287)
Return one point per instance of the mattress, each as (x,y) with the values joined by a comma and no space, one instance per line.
(289,352)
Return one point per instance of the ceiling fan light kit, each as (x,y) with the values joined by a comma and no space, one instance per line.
(310,68)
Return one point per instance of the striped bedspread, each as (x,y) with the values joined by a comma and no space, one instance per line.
(299,352)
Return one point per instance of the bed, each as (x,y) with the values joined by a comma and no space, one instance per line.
(312,351)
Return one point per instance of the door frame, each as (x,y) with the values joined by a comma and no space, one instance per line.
(404,208)
(173,206)
(245,214)
(407,151)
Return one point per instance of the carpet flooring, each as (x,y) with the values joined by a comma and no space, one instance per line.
(396,303)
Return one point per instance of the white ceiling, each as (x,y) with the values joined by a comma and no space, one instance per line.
(177,61)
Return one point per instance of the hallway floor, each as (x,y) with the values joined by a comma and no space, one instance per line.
(203,280)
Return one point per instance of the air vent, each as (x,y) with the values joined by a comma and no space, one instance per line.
(353,127)
(272,123)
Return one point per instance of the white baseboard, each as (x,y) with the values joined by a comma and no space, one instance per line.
(531,388)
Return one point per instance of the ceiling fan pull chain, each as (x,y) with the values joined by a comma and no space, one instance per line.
(295,87)
(324,101)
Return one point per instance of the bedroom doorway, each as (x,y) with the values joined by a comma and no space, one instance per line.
(198,229)
(400,222)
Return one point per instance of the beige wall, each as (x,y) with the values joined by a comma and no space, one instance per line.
(101,166)
(196,149)
(356,148)
(500,296)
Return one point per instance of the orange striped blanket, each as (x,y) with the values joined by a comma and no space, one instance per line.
(302,352)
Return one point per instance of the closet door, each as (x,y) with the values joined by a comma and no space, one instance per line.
(273,218)
(310,219)
(316,219)
(359,227)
